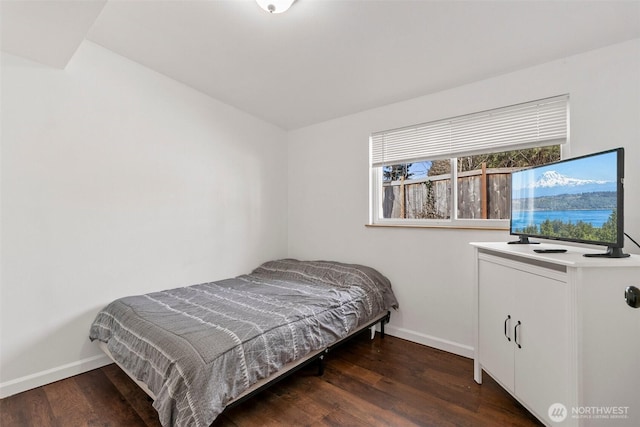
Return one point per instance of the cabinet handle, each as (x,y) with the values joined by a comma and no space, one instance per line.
(515,330)
(505,327)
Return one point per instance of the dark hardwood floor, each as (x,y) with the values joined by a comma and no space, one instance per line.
(380,382)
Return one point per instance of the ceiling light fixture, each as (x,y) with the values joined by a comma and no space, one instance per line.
(275,6)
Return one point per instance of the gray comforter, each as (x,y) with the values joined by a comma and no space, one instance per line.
(198,347)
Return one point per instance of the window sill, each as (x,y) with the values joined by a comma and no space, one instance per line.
(440,226)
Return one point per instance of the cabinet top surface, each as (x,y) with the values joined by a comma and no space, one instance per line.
(572,258)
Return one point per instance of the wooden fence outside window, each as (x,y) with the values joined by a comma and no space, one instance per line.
(482,194)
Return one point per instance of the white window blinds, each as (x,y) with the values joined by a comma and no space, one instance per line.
(538,123)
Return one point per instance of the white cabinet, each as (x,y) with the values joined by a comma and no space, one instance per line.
(524,331)
(555,329)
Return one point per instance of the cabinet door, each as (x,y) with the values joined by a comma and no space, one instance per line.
(495,311)
(542,346)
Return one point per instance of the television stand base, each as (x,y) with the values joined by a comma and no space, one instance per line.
(611,253)
(523,240)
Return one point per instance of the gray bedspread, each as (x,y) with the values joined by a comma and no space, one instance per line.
(198,347)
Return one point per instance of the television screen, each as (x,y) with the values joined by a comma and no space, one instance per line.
(575,200)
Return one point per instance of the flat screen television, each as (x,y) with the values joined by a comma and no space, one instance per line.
(574,200)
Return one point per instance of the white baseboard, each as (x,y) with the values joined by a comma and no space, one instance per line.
(428,340)
(38,379)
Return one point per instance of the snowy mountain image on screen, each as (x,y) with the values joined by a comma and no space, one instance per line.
(552,183)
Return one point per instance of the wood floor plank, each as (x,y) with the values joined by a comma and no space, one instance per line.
(26,409)
(293,393)
(140,402)
(408,402)
(358,405)
(257,411)
(104,398)
(340,418)
(69,405)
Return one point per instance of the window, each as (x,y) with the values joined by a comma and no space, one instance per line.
(412,169)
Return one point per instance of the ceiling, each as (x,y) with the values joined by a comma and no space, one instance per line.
(322,59)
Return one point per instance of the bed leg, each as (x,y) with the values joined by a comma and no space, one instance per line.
(320,365)
(384,320)
(373,331)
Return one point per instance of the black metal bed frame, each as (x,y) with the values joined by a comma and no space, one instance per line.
(318,358)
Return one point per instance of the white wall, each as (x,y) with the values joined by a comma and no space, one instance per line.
(115,181)
(431,269)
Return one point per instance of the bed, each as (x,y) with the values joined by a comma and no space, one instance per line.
(199,349)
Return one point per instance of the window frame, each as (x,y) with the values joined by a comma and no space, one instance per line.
(376,186)
(375,207)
